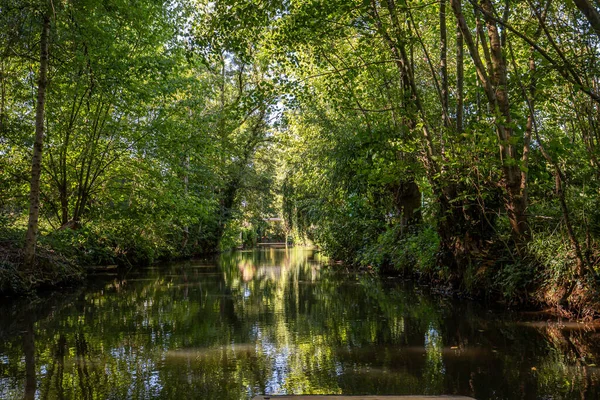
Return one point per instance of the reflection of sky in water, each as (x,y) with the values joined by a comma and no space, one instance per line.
(278,357)
(154,384)
(339,370)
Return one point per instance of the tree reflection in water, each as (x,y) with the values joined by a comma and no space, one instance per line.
(275,321)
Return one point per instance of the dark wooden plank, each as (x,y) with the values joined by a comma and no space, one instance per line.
(343,397)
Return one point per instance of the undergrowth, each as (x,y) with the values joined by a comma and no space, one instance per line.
(51,268)
(405,252)
(62,255)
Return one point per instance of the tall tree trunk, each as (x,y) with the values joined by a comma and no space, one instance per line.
(515,203)
(404,64)
(531,117)
(460,78)
(3,79)
(186,184)
(444,62)
(494,80)
(36,164)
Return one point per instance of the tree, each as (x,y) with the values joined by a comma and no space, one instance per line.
(36,164)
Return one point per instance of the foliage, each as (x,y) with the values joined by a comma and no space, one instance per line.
(410,253)
(155,133)
(503,189)
(450,138)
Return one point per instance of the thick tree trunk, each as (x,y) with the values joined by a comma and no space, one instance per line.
(36,164)
(516,204)
(495,84)
(590,12)
(64,205)
(407,201)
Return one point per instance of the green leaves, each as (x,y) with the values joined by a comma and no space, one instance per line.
(194,120)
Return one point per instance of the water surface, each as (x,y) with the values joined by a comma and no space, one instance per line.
(277,322)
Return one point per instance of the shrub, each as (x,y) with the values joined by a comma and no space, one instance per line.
(414,251)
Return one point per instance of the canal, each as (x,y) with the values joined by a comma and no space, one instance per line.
(281,322)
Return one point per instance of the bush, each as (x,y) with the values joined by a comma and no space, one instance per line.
(121,244)
(411,252)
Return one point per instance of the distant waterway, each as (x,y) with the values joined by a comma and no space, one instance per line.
(277,321)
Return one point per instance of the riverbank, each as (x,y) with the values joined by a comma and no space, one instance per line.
(539,278)
(66,257)
(51,269)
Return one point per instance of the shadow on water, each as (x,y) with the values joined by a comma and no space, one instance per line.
(277,322)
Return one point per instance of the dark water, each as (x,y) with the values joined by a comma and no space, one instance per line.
(276,322)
